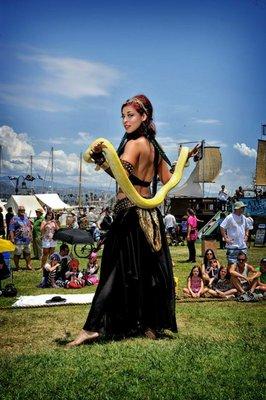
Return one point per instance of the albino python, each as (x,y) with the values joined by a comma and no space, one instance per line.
(122,177)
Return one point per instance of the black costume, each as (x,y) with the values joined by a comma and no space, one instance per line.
(136,289)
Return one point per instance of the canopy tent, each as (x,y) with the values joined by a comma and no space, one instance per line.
(28,201)
(3,206)
(52,200)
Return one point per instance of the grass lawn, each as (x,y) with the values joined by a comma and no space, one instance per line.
(218,353)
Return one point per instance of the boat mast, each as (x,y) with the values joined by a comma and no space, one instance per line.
(52,169)
(80,180)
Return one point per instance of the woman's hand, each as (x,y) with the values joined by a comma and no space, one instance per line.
(98,148)
(194,152)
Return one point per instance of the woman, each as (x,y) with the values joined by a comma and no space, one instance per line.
(136,291)
(207,265)
(48,228)
(192,234)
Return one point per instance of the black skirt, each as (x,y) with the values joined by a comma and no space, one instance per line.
(136,289)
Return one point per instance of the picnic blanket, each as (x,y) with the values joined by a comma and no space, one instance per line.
(48,300)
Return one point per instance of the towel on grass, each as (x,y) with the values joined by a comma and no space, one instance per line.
(41,300)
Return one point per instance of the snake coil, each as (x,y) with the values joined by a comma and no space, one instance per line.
(122,177)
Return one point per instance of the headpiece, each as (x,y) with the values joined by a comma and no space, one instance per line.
(139,102)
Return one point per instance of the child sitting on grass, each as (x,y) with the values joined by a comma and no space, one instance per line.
(195,286)
(49,272)
(90,275)
(221,285)
(261,285)
(74,276)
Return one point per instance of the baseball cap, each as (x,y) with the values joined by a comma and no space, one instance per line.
(263,260)
(239,204)
(39,210)
(55,257)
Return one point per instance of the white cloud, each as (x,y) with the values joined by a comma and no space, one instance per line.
(245,150)
(57,80)
(15,144)
(217,143)
(73,77)
(83,138)
(208,121)
(16,160)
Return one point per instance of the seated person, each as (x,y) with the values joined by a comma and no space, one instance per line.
(207,265)
(90,275)
(74,278)
(195,286)
(64,257)
(261,286)
(213,271)
(92,266)
(244,276)
(221,285)
(49,272)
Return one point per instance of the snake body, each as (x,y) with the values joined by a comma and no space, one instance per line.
(122,177)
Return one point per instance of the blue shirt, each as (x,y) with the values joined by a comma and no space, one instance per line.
(22,229)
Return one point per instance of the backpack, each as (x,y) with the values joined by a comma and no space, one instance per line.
(10,290)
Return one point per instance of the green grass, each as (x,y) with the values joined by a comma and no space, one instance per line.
(217,354)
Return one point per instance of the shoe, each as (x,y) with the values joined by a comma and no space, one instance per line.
(150,334)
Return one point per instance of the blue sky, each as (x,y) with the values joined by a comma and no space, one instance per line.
(66,67)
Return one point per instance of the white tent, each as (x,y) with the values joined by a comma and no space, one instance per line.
(3,205)
(28,201)
(52,200)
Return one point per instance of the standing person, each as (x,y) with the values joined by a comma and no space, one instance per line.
(9,216)
(234,230)
(222,198)
(105,221)
(21,235)
(36,234)
(48,228)
(184,229)
(192,234)
(2,224)
(136,292)
(170,226)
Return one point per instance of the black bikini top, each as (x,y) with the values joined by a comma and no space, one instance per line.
(138,182)
(158,151)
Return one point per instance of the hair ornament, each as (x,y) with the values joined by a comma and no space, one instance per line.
(139,102)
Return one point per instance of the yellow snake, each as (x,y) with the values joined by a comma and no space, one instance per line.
(122,177)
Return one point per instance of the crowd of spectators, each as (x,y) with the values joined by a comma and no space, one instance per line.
(240,280)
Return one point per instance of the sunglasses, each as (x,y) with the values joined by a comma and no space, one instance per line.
(241,259)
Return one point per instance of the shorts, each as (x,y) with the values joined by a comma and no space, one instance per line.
(48,243)
(232,254)
(22,248)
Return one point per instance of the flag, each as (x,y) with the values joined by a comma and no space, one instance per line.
(13,178)
(29,178)
(263,129)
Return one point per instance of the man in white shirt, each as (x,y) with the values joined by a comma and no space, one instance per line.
(170,227)
(222,198)
(234,230)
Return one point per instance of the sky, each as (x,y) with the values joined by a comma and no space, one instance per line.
(67,66)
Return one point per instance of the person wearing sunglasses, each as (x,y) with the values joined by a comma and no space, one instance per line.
(244,277)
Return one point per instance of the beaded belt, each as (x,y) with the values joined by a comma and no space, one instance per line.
(122,204)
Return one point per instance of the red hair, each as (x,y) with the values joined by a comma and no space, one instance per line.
(142,105)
